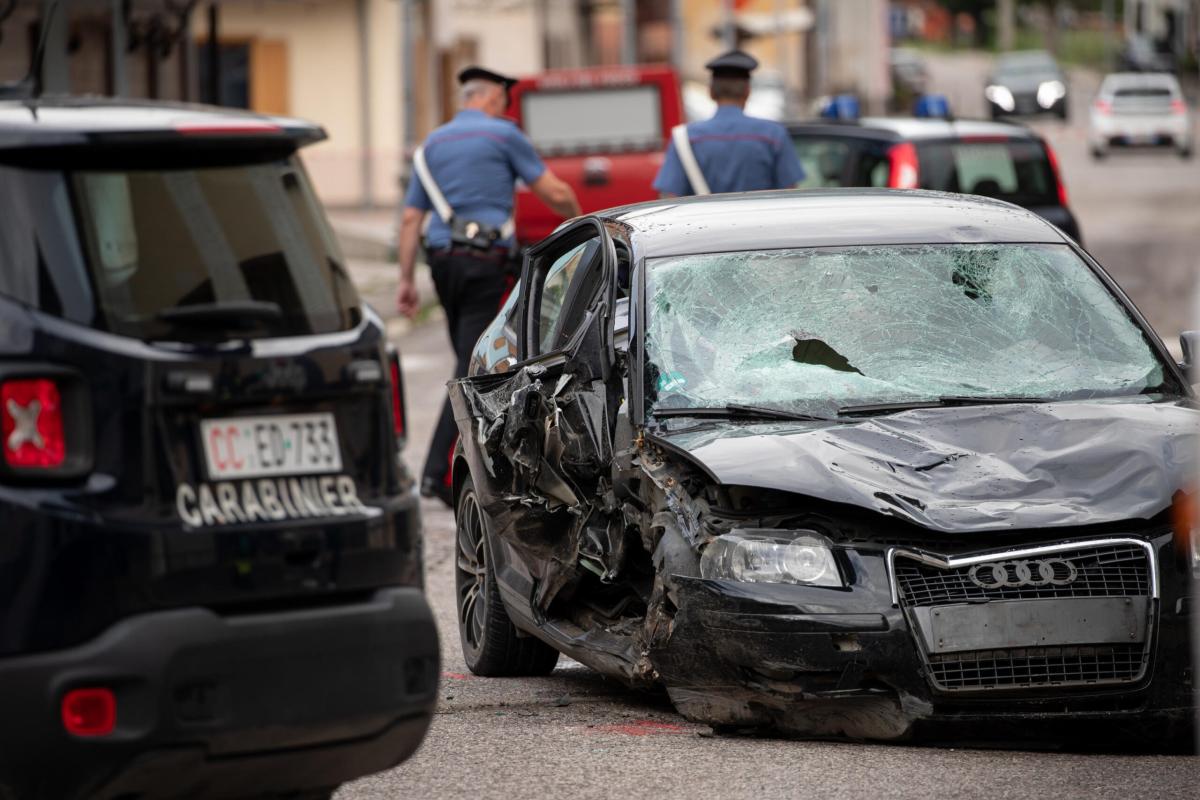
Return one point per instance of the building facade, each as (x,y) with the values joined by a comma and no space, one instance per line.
(379,74)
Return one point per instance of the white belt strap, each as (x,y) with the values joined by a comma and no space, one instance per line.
(440,205)
(683,149)
(431,188)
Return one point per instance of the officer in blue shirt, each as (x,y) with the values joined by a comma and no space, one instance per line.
(734,152)
(474,162)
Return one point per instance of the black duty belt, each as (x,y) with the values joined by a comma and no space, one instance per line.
(497,255)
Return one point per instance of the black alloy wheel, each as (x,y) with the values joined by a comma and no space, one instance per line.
(491,644)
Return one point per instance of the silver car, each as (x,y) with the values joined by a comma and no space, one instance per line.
(1139,109)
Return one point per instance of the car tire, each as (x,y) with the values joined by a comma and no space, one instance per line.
(1098,154)
(1186,153)
(491,644)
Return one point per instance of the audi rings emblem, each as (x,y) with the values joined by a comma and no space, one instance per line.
(1030,573)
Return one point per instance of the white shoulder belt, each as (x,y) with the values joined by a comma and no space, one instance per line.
(683,148)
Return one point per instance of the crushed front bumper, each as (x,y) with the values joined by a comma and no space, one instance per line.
(227,706)
(855,663)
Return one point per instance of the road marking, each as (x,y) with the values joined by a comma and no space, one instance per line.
(641,727)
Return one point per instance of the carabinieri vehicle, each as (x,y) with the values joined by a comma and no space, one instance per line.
(853,463)
(210,563)
(1002,160)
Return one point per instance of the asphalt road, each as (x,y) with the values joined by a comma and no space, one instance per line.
(575,735)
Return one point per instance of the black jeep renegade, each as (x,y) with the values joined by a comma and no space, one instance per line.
(210,552)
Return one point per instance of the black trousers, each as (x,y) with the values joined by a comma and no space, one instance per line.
(471,289)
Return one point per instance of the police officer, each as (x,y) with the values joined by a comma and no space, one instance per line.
(732,152)
(474,162)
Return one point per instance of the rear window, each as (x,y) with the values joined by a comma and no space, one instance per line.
(831,162)
(176,254)
(826,162)
(1016,171)
(592,120)
(1144,91)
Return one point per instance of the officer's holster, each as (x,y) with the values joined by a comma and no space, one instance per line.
(473,235)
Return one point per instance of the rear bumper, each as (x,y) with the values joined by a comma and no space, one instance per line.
(218,706)
(821,662)
(1157,140)
(120,566)
(1112,131)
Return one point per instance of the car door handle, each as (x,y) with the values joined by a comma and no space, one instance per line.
(596,171)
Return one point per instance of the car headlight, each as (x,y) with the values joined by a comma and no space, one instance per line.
(757,555)
(1001,96)
(1050,92)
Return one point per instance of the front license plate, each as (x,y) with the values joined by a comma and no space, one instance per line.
(283,444)
(1006,624)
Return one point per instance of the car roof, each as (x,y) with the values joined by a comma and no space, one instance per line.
(823,218)
(1026,57)
(62,121)
(914,128)
(1127,80)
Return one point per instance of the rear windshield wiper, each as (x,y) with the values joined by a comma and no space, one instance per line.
(233,315)
(741,411)
(946,401)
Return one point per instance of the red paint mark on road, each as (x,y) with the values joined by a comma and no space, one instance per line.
(641,727)
(456,676)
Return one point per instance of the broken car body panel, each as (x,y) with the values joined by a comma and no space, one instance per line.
(867,547)
(537,436)
(970,470)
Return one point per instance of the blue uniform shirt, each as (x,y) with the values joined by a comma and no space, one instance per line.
(736,153)
(476,160)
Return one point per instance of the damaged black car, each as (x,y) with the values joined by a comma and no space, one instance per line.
(859,464)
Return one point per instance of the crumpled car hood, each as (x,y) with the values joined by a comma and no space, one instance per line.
(977,468)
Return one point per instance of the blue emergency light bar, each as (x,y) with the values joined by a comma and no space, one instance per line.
(932,106)
(842,106)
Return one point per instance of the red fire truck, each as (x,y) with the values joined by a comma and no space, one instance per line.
(601,129)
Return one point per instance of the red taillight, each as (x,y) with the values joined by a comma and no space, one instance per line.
(1103,107)
(904,171)
(89,712)
(31,422)
(1178,107)
(398,421)
(1062,187)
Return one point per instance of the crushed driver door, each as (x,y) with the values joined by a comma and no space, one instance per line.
(538,438)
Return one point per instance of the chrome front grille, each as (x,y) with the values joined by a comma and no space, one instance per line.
(1102,579)
(1113,571)
(1038,667)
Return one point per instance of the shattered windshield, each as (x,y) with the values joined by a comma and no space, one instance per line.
(819,329)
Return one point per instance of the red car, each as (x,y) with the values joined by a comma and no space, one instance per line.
(603,130)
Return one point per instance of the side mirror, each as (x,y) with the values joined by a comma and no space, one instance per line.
(1189,343)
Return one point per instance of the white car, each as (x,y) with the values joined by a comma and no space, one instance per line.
(1140,109)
